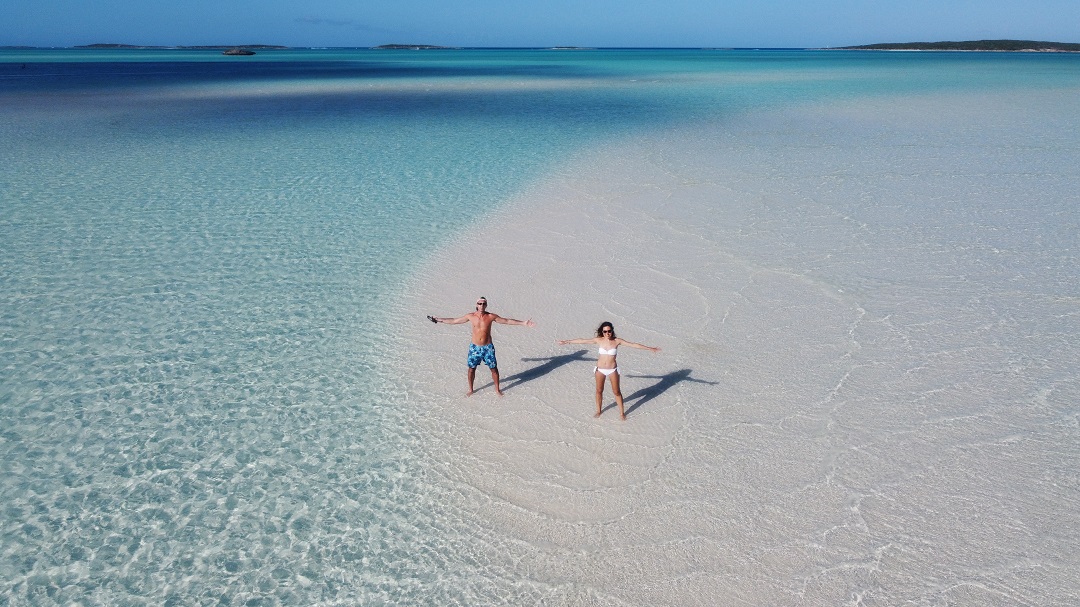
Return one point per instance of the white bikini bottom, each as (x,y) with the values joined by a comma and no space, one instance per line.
(606,372)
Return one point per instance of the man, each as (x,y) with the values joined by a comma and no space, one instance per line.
(481,349)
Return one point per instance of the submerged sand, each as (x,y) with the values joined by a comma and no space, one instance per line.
(866,395)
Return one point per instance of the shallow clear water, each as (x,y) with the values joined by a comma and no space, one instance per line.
(201,257)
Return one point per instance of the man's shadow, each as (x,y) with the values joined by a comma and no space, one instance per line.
(665,382)
(547,365)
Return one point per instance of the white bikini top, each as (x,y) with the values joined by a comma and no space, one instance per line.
(611,352)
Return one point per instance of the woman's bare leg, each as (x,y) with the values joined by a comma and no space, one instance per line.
(618,393)
(599,392)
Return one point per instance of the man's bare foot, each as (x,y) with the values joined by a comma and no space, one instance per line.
(623,415)
(469,393)
(597,414)
(499,392)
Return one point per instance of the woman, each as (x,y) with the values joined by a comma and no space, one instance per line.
(606,366)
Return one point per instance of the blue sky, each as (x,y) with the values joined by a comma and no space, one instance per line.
(693,23)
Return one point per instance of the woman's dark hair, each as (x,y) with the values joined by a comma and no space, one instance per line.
(600,329)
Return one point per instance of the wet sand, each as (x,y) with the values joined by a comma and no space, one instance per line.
(866,394)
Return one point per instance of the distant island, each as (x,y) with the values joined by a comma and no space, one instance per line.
(215,47)
(1017,46)
(1026,46)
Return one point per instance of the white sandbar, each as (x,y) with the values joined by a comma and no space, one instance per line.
(869,316)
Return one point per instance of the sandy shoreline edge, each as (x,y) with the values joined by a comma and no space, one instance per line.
(580,491)
(759,454)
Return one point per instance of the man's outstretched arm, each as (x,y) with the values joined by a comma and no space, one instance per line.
(449,321)
(513,321)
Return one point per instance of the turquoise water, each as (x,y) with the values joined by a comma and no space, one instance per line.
(200,260)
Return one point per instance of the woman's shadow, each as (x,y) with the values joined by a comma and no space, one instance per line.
(665,382)
(547,365)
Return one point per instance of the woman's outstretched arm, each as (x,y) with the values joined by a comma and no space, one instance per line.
(580,340)
(623,342)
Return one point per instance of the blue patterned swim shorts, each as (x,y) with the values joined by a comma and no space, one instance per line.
(482,353)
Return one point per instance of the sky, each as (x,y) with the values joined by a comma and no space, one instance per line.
(537,23)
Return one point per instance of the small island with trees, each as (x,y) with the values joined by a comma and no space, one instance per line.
(212,47)
(1017,46)
(231,50)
